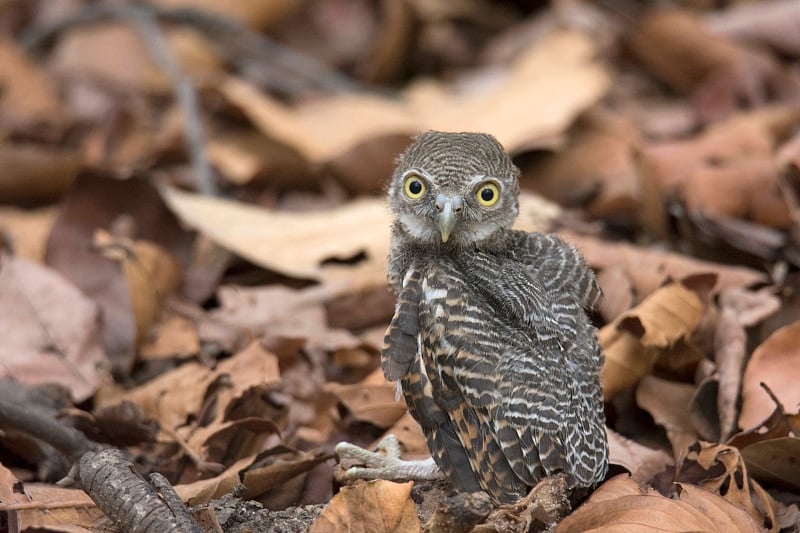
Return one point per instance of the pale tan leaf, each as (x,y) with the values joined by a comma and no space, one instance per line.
(634,340)
(377,506)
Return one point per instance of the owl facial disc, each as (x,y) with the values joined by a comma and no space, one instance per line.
(448,207)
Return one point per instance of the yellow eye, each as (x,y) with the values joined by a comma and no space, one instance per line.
(488,194)
(414,187)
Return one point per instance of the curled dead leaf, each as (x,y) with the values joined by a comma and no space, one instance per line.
(634,340)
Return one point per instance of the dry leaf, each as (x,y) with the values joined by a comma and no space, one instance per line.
(50,330)
(207,489)
(769,364)
(25,232)
(28,95)
(668,404)
(734,483)
(52,508)
(253,14)
(376,506)
(276,466)
(774,462)
(131,208)
(370,401)
(298,244)
(642,462)
(648,269)
(558,78)
(620,504)
(634,340)
(772,24)
(35,173)
(151,273)
(174,337)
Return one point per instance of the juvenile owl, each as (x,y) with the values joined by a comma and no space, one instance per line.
(490,341)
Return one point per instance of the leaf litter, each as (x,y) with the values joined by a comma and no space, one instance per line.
(230,342)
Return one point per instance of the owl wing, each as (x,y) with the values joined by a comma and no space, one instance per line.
(401,360)
(549,403)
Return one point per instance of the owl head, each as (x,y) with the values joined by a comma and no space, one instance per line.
(457,189)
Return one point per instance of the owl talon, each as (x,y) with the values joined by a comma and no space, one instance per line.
(386,465)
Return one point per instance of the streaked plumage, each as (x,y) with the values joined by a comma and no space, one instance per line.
(497,359)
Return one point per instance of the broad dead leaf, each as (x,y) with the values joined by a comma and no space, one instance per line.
(207,489)
(621,504)
(769,364)
(373,400)
(642,462)
(375,506)
(635,339)
(277,465)
(649,268)
(668,404)
(558,78)
(774,462)
(52,508)
(298,244)
(50,331)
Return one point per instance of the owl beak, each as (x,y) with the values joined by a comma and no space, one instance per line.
(448,208)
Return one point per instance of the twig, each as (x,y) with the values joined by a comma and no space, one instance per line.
(128,499)
(145,22)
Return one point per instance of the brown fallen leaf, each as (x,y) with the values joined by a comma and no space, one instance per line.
(130,208)
(773,24)
(35,173)
(214,487)
(768,364)
(25,232)
(275,466)
(174,337)
(736,155)
(50,330)
(648,269)
(620,504)
(773,462)
(298,244)
(734,483)
(558,78)
(375,506)
(29,94)
(372,400)
(676,47)
(151,272)
(668,404)
(642,462)
(48,507)
(256,15)
(634,340)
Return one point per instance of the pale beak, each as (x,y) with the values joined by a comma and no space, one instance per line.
(448,207)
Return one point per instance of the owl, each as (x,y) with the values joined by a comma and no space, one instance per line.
(490,340)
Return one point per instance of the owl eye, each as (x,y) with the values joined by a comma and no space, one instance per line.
(414,187)
(488,194)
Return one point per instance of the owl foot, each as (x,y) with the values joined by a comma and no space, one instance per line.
(387,465)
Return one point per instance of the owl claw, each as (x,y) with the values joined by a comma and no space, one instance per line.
(387,465)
